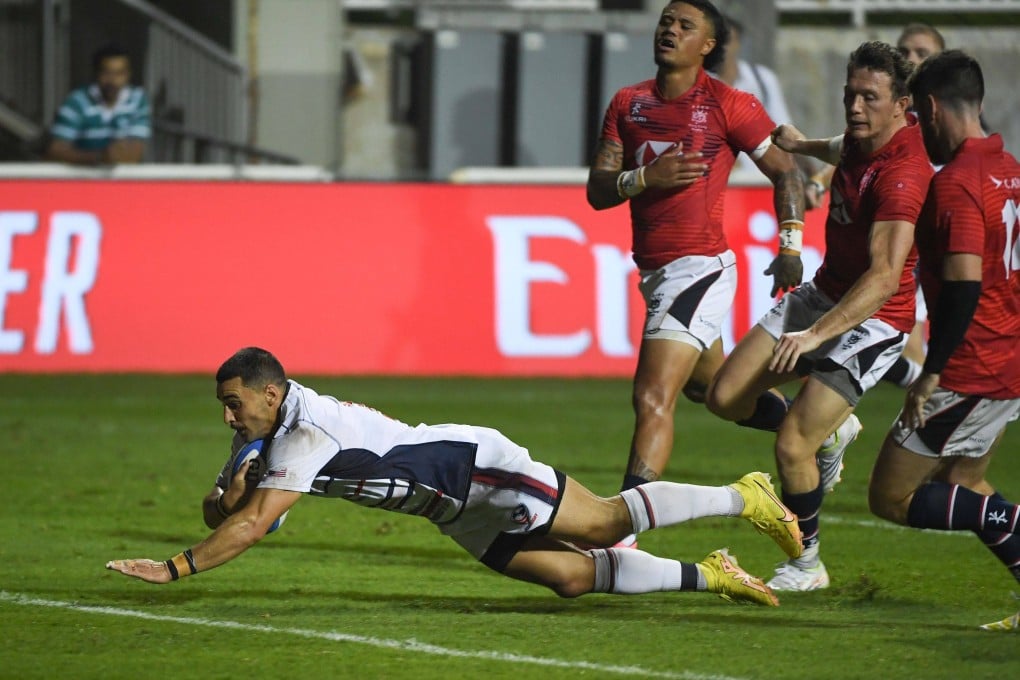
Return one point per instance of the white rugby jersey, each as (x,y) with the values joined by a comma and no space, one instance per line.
(327,447)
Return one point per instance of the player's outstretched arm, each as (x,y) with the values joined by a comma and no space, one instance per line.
(238,532)
(788,138)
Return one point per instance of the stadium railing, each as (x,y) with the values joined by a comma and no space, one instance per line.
(860,9)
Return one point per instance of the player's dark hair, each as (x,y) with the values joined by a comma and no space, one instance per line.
(918,28)
(953,77)
(883,58)
(105,52)
(255,367)
(720,30)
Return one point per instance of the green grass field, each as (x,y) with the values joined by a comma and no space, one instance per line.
(102,467)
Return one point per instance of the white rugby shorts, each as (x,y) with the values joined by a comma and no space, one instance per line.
(510,495)
(957,425)
(851,363)
(689,299)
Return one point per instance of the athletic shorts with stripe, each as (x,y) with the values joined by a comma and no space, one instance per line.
(956,425)
(851,363)
(511,497)
(689,299)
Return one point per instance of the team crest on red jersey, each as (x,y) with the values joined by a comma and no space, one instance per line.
(699,118)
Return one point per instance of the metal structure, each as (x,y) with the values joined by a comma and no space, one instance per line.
(197,88)
(860,9)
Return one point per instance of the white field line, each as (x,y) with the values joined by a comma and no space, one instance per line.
(411,645)
(882,524)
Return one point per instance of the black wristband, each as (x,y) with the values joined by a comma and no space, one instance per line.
(174,574)
(953,312)
(191,561)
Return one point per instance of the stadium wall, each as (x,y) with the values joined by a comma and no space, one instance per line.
(337,278)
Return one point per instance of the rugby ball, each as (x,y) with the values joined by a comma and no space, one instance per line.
(256,472)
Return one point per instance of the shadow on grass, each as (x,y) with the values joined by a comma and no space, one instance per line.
(450,552)
(256,604)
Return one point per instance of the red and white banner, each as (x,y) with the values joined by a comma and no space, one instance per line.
(340,278)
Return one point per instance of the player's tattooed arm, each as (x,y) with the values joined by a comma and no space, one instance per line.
(787,269)
(603,175)
(789,196)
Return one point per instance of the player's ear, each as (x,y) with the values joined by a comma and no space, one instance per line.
(273,394)
(707,48)
(902,105)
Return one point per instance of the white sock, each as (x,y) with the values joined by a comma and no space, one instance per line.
(809,558)
(630,572)
(663,504)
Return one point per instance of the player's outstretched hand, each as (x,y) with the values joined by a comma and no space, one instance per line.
(673,168)
(917,396)
(786,271)
(787,138)
(147,570)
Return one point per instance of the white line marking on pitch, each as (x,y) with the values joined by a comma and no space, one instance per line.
(882,524)
(411,645)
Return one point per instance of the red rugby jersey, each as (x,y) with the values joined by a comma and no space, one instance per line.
(889,184)
(973,207)
(712,118)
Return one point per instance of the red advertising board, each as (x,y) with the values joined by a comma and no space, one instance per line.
(337,278)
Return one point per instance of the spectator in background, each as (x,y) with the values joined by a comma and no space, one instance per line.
(762,82)
(919,41)
(106,121)
(759,80)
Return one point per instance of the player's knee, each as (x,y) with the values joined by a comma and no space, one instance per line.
(791,450)
(571,579)
(571,588)
(721,401)
(886,506)
(653,401)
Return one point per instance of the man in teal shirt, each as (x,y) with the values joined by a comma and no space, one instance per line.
(106,121)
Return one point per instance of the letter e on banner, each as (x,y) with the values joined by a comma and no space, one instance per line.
(12,280)
(74,236)
(515,272)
